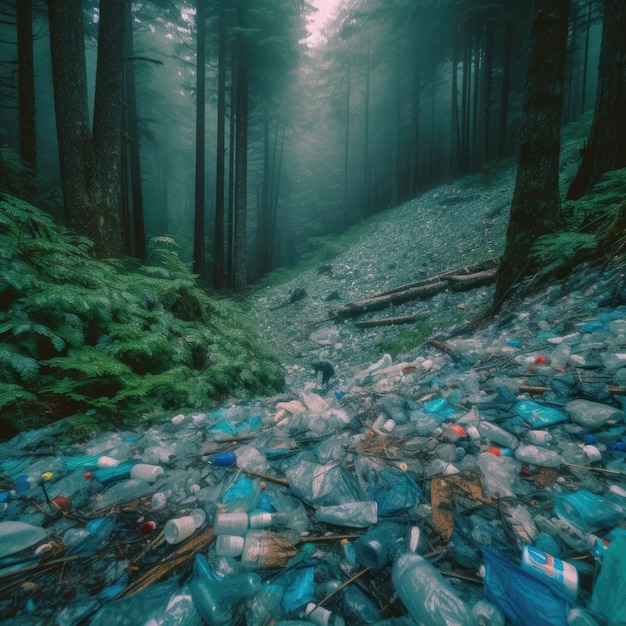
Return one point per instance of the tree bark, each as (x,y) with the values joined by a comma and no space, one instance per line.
(241,172)
(26,91)
(138,228)
(103,184)
(536,203)
(218,253)
(69,77)
(199,256)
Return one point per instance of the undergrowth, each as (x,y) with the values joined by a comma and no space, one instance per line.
(109,342)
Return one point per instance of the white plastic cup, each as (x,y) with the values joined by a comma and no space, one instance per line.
(144,471)
(179,528)
(229,545)
(317,615)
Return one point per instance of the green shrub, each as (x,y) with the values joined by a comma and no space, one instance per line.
(80,334)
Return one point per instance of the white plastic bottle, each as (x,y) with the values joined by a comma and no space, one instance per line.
(560,575)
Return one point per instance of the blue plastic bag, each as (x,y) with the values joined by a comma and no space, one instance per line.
(524,599)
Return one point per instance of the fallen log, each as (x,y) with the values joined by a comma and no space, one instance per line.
(460,279)
(388,321)
(376,303)
(463,282)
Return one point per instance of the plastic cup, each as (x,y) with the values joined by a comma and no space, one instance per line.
(180,528)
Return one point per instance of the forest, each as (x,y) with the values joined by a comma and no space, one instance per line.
(218,134)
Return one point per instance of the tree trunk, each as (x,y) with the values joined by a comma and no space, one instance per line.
(69,77)
(536,203)
(199,257)
(606,148)
(485,151)
(263,221)
(138,248)
(26,91)
(346,159)
(506,87)
(218,254)
(103,184)
(453,158)
(241,173)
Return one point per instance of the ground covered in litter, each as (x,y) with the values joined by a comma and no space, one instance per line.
(477,478)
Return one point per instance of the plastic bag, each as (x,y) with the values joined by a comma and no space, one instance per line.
(524,600)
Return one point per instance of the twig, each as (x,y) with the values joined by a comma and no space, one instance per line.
(274,479)
(349,581)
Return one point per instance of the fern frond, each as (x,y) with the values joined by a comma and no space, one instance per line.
(12,393)
(89,362)
(551,252)
(24,367)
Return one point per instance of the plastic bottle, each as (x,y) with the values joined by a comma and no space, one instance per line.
(360,514)
(263,549)
(560,575)
(224,459)
(537,455)
(110,474)
(426,594)
(231,523)
(218,601)
(17,536)
(378,546)
(588,511)
(180,528)
(147,472)
(497,435)
(592,415)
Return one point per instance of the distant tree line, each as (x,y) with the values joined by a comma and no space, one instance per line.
(215,123)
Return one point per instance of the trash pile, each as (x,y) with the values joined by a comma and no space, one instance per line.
(478,482)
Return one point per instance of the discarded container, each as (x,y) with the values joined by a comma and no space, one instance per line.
(231,523)
(219,602)
(224,459)
(263,549)
(560,575)
(147,472)
(588,511)
(181,528)
(426,595)
(379,546)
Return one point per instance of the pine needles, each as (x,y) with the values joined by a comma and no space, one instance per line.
(79,334)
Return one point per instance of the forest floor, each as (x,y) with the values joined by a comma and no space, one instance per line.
(443,229)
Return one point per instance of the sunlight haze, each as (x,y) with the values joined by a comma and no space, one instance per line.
(325,10)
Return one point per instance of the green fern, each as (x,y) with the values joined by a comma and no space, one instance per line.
(17,366)
(561,250)
(11,394)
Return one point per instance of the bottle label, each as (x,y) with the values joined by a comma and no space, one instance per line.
(546,563)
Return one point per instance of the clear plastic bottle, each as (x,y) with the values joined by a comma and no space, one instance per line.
(218,601)
(497,434)
(426,594)
(379,545)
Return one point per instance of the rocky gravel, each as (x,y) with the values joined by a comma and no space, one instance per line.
(443,229)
